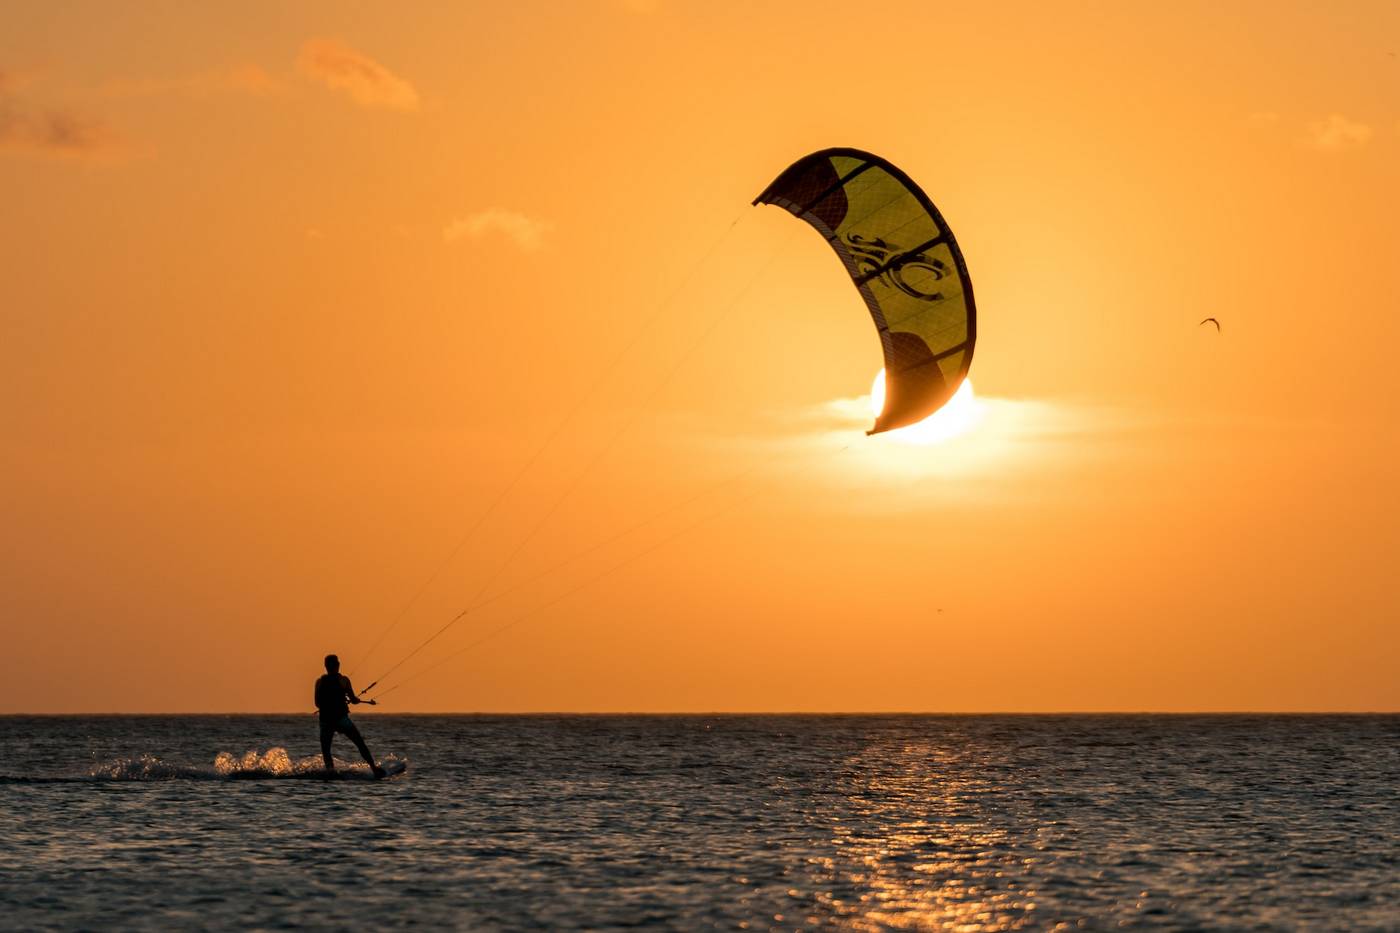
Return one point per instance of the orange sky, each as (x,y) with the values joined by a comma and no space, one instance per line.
(289,294)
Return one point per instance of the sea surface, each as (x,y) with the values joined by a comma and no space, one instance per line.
(695,822)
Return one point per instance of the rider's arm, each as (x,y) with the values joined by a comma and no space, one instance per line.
(350,693)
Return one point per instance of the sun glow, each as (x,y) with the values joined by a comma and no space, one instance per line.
(961,414)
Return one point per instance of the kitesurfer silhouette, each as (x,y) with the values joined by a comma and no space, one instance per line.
(333,696)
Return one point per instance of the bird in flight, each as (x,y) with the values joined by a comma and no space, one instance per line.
(1211,320)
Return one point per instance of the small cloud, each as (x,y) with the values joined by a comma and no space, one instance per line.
(47,131)
(68,132)
(526,232)
(1337,133)
(1261,119)
(342,68)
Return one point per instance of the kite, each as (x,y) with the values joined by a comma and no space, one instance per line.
(903,260)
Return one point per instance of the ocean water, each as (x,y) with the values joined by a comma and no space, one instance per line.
(967,823)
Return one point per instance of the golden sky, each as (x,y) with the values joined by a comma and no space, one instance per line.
(290,293)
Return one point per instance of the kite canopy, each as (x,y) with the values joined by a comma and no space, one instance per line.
(904,261)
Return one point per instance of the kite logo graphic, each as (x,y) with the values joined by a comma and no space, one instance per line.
(883,260)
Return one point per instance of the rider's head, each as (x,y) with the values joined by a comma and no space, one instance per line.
(332,664)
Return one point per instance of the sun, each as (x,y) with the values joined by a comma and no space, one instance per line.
(961,414)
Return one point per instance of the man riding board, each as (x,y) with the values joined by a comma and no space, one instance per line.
(333,698)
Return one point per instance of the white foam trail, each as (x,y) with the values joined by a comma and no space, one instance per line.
(253,764)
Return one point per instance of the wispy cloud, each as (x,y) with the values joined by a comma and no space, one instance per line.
(1337,133)
(342,68)
(976,447)
(251,79)
(239,79)
(47,131)
(525,232)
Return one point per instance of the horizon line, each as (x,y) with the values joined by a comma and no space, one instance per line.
(738,713)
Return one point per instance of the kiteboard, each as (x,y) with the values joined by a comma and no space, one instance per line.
(391,768)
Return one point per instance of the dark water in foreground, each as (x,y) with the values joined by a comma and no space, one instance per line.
(969,823)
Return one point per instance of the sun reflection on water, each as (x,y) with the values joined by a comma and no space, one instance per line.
(913,853)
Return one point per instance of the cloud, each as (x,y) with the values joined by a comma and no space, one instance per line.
(240,79)
(1337,133)
(526,232)
(976,447)
(47,131)
(251,79)
(342,68)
